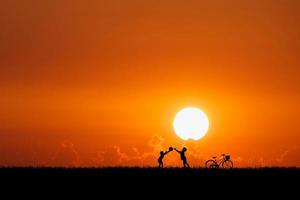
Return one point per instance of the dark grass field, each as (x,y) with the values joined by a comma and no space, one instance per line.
(132,179)
(144,174)
(148,172)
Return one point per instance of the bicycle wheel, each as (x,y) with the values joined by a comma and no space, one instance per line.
(227,164)
(211,164)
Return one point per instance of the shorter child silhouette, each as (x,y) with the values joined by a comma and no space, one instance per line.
(162,155)
(183,157)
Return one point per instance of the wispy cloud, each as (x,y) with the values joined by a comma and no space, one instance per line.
(114,156)
(284,159)
(65,155)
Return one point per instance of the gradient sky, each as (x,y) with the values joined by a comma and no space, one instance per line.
(96,83)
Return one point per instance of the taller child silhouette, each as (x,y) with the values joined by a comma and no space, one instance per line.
(183,157)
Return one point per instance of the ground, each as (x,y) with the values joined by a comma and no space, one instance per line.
(151,180)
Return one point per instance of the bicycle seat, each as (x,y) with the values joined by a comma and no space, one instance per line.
(214,157)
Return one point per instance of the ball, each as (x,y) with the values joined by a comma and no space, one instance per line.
(170,148)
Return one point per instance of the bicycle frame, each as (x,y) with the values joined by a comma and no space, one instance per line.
(220,161)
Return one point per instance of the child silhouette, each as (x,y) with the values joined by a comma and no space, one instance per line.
(162,155)
(183,157)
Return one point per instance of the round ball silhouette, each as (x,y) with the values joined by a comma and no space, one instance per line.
(170,148)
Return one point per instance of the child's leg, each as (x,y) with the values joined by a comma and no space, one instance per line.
(160,165)
(187,164)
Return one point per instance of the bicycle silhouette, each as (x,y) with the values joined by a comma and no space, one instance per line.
(224,162)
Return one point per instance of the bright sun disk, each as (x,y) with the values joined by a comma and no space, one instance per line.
(191,123)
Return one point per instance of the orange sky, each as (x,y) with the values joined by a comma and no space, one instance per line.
(94,82)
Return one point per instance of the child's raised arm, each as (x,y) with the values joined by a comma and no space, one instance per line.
(177,150)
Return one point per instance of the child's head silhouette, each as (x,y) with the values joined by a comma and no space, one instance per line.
(184,149)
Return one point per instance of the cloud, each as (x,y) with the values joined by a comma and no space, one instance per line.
(281,158)
(97,159)
(140,158)
(289,157)
(122,157)
(114,156)
(66,155)
(156,142)
(286,158)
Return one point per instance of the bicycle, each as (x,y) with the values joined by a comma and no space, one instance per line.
(225,162)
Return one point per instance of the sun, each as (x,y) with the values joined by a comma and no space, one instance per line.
(191,123)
